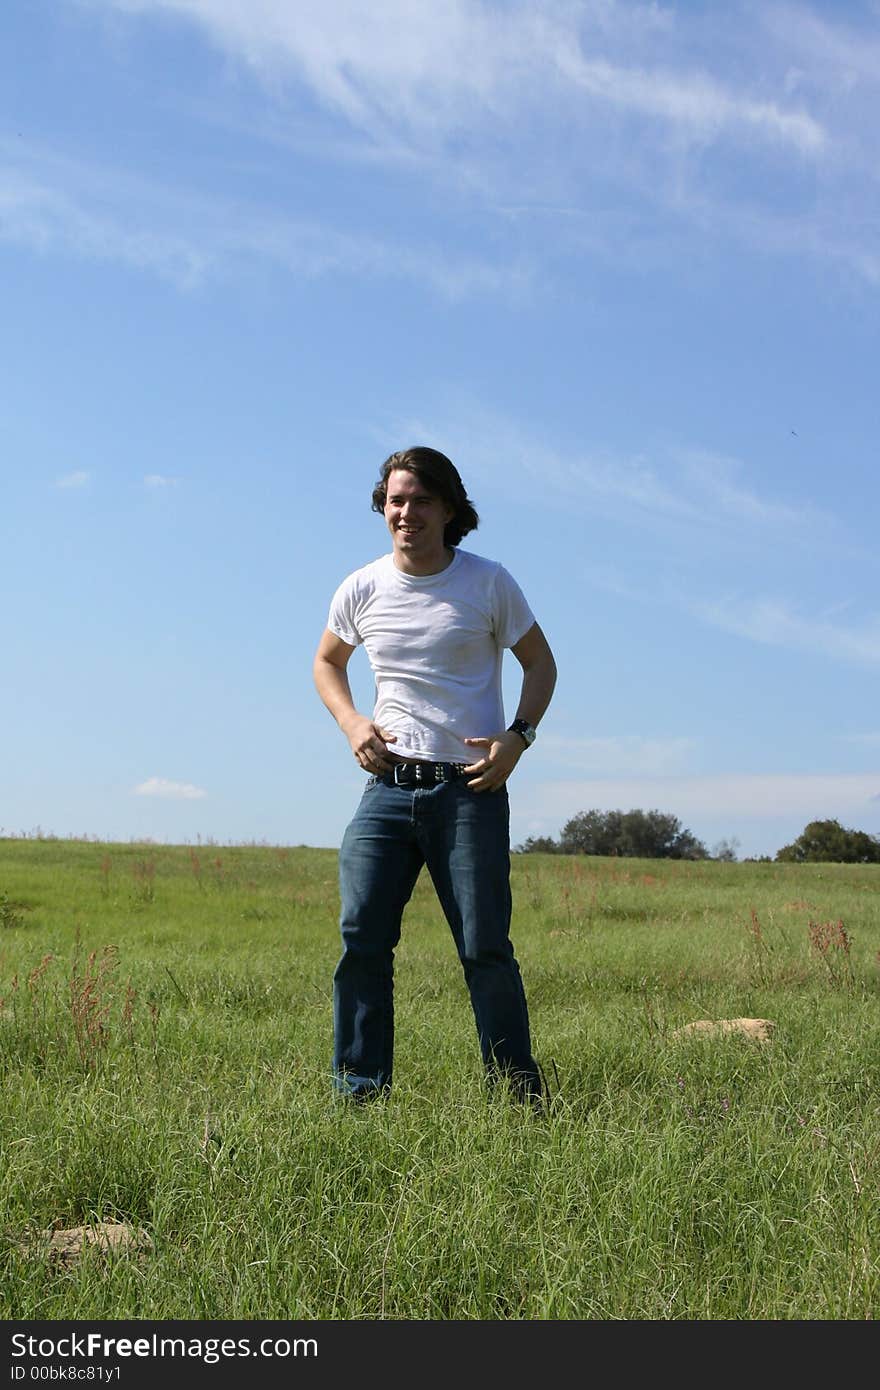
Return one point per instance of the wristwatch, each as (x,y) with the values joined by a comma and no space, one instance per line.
(525,730)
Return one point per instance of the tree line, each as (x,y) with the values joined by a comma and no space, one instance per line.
(638,834)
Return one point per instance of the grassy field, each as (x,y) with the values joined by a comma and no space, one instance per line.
(165,1035)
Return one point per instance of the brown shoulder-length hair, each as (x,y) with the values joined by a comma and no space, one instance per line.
(439,476)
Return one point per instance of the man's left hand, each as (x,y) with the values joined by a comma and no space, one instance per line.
(503,752)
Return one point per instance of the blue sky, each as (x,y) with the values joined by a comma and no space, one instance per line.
(620,261)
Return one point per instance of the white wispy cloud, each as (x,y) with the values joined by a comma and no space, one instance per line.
(759,796)
(432,68)
(78,479)
(168,790)
(574,102)
(820,232)
(694,103)
(771,621)
(650,130)
(311,249)
(135,228)
(684,485)
(158,480)
(692,504)
(652,126)
(44,218)
(830,52)
(620,756)
(715,479)
(775,622)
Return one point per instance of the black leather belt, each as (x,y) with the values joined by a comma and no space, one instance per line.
(424,774)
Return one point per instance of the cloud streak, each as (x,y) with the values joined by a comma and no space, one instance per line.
(167,790)
(661,111)
(45,219)
(688,507)
(649,128)
(129,231)
(774,622)
(431,69)
(620,756)
(758,797)
(683,486)
(695,104)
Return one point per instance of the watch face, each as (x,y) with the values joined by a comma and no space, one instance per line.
(525,729)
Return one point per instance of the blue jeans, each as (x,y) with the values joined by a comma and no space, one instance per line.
(463,837)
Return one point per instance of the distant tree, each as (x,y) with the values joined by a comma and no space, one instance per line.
(630,834)
(592,832)
(828,842)
(537,844)
(726,850)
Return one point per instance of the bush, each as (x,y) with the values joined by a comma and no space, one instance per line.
(629,834)
(537,844)
(828,842)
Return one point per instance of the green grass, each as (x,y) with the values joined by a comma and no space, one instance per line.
(165,1034)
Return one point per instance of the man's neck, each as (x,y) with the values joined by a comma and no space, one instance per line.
(423,567)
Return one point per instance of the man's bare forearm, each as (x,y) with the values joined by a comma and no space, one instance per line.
(538,684)
(368,741)
(332,684)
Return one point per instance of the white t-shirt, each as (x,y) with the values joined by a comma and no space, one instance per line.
(435,644)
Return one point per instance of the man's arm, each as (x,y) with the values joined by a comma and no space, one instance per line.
(504,749)
(367,740)
(539,675)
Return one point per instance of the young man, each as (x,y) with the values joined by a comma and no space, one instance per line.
(435,621)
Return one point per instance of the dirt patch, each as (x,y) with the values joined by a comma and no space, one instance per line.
(756,1029)
(66,1244)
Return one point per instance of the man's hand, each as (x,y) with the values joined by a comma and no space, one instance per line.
(369,743)
(503,752)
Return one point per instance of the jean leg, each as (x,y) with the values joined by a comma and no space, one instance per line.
(379,863)
(467,850)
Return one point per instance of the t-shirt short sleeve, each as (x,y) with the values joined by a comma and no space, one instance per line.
(513,616)
(341,618)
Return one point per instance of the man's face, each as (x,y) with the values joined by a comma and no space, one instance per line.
(416,519)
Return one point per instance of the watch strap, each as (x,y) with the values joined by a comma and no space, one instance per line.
(525,730)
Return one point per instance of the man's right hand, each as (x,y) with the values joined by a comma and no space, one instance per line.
(369,743)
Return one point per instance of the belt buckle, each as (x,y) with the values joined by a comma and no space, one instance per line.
(421,774)
(406,774)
